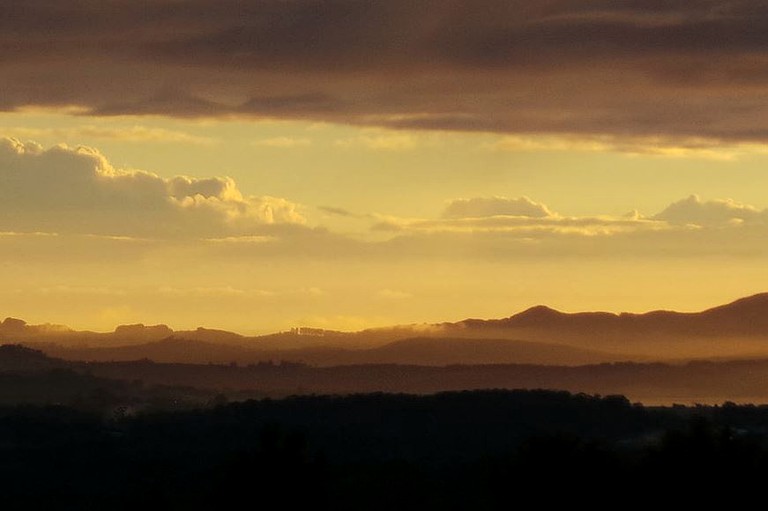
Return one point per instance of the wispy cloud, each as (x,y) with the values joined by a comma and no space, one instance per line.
(139,134)
(666,147)
(65,290)
(393,294)
(214,292)
(392,141)
(283,142)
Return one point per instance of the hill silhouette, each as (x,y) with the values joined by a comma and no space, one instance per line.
(737,329)
(446,351)
(53,380)
(415,351)
(539,335)
(744,317)
(15,357)
(14,330)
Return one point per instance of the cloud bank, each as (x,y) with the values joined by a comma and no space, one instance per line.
(694,211)
(70,190)
(68,197)
(510,229)
(676,71)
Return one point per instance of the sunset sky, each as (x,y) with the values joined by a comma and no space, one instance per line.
(346,164)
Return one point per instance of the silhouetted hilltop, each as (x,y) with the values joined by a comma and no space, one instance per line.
(537,315)
(752,309)
(13,325)
(15,330)
(209,335)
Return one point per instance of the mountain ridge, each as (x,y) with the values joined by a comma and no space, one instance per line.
(744,316)
(754,306)
(737,328)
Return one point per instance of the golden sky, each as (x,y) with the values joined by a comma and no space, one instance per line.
(261,165)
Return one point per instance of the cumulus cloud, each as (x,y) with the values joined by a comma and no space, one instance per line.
(619,67)
(518,217)
(171,228)
(77,191)
(526,218)
(523,219)
(719,212)
(495,206)
(690,227)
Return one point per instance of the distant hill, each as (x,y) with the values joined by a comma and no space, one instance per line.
(738,329)
(15,357)
(416,351)
(446,351)
(16,330)
(744,317)
(171,350)
(14,327)
(27,376)
(735,330)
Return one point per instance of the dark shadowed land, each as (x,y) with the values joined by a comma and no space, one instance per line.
(656,358)
(29,376)
(119,430)
(468,450)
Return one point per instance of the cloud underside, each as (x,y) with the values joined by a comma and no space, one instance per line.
(680,70)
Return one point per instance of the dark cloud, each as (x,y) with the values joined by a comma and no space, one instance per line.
(299,104)
(331,210)
(673,68)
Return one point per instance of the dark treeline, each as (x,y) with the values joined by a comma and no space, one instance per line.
(466,450)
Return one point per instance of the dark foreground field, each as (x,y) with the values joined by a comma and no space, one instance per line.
(465,450)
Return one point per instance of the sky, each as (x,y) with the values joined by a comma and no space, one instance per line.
(347,164)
